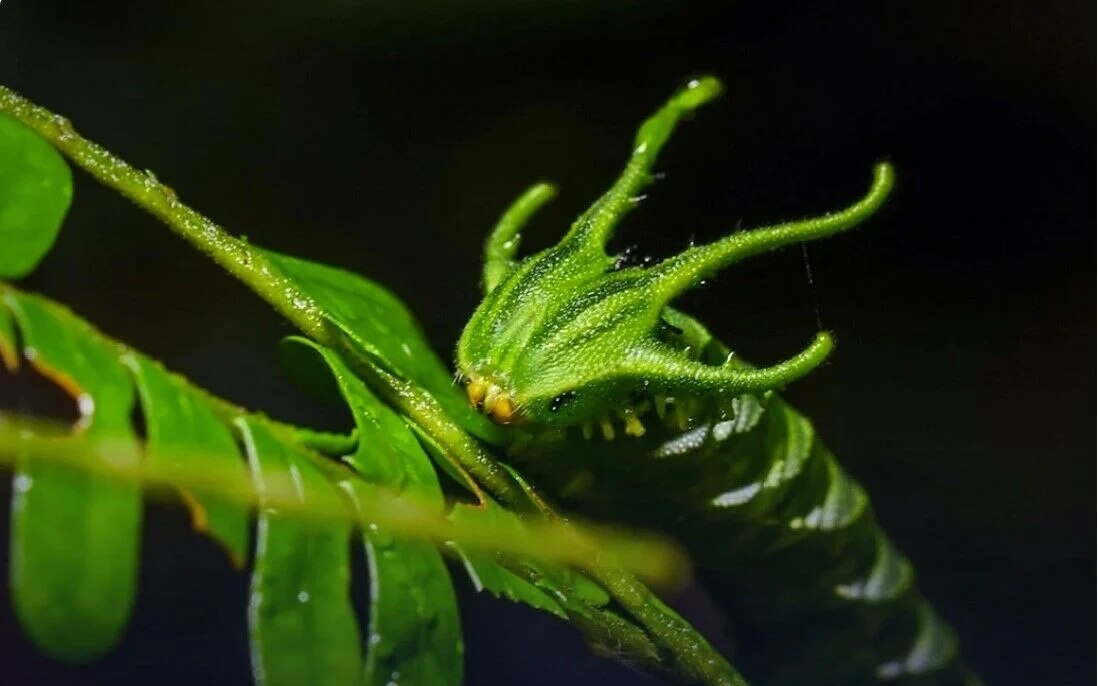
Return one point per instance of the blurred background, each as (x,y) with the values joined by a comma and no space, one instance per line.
(386,138)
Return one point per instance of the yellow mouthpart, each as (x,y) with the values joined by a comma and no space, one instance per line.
(492,400)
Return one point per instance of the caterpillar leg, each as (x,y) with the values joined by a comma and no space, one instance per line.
(503,242)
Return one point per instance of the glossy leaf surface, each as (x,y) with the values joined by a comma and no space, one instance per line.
(181,427)
(35,192)
(487,574)
(74,540)
(382,326)
(300,614)
(414,628)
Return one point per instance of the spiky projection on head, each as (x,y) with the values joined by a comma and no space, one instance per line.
(562,335)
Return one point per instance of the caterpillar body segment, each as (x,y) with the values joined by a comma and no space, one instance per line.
(783,538)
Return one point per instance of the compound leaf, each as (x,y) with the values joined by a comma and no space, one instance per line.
(415,630)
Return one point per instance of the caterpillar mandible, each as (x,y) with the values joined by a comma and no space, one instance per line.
(572,349)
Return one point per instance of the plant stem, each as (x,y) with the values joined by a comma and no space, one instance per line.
(143,188)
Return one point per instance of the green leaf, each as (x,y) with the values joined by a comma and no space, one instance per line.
(556,589)
(414,613)
(74,539)
(487,574)
(552,588)
(35,192)
(381,325)
(301,617)
(415,629)
(183,431)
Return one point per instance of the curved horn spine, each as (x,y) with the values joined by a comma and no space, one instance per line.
(678,374)
(503,242)
(595,226)
(677,274)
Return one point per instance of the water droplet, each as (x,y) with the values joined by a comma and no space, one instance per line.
(303,596)
(560,400)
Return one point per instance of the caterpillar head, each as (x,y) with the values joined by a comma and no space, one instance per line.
(562,335)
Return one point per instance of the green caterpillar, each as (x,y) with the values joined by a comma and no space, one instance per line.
(568,343)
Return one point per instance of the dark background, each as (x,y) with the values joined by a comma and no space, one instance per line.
(386,137)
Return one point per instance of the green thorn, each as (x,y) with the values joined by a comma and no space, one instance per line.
(726,381)
(503,241)
(595,226)
(676,274)
(801,364)
(655,131)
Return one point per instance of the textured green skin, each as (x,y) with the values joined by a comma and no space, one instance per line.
(799,529)
(783,537)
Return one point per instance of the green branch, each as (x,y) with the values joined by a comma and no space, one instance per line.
(235,255)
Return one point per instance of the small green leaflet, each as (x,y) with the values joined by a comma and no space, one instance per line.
(74,540)
(381,325)
(548,587)
(302,622)
(489,575)
(179,422)
(35,192)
